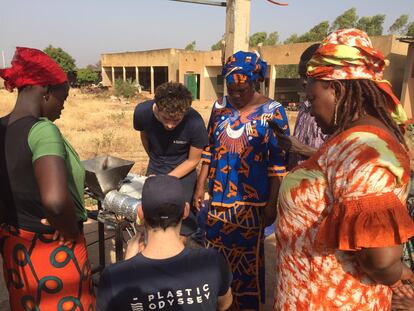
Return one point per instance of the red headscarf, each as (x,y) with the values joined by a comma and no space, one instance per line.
(32,67)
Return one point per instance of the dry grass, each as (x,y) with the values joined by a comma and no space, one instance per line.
(100,125)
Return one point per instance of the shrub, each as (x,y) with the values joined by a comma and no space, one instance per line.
(125,89)
(87,76)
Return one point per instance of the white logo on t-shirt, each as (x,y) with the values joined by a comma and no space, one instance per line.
(166,299)
(180,142)
(137,306)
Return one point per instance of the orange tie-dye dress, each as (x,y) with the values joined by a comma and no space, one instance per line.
(348,196)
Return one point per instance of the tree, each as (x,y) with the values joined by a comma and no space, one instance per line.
(262,37)
(61,57)
(400,25)
(372,25)
(191,46)
(272,38)
(87,76)
(410,29)
(96,67)
(363,23)
(287,71)
(218,45)
(348,19)
(256,38)
(317,33)
(292,39)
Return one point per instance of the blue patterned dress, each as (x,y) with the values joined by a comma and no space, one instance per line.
(243,156)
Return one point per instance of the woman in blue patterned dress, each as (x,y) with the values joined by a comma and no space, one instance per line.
(244,166)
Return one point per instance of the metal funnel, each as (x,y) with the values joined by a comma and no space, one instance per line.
(104,173)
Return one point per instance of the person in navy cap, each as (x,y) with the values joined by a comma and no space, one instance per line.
(165,274)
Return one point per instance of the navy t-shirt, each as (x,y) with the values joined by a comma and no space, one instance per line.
(168,149)
(191,280)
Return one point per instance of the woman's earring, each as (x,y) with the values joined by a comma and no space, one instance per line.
(336,114)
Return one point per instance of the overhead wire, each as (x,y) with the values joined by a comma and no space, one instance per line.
(278,3)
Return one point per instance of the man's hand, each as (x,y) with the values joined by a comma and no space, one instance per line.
(135,245)
(58,236)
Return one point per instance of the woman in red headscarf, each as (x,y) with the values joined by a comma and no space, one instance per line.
(342,217)
(45,263)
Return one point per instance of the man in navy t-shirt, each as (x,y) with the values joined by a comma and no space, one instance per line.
(166,275)
(173,135)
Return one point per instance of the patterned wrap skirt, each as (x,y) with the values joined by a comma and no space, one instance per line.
(237,233)
(42,275)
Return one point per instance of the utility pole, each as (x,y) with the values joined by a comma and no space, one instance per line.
(237,26)
(237,23)
(4,60)
(236,37)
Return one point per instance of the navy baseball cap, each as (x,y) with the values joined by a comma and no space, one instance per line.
(160,190)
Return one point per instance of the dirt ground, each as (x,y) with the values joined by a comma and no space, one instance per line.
(98,124)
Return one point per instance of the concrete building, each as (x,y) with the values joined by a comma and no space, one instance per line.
(407,93)
(201,70)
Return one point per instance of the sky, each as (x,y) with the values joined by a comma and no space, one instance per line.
(87,28)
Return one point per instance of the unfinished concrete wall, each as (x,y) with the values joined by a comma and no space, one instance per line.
(106,76)
(213,82)
(195,62)
(407,96)
(392,49)
(141,60)
(180,62)
(395,71)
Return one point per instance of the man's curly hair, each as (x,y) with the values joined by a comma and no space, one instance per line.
(173,98)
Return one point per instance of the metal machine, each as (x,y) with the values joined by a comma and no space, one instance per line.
(118,194)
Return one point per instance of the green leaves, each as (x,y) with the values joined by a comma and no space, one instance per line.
(400,25)
(61,57)
(264,39)
(191,46)
(87,76)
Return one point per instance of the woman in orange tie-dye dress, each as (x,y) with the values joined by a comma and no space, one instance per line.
(342,217)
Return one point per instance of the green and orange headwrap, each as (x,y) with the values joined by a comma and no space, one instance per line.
(348,54)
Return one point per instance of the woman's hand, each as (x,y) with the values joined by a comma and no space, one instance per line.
(198,198)
(403,288)
(58,236)
(283,141)
(399,303)
(292,144)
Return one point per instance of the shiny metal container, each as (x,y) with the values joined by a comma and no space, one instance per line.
(121,204)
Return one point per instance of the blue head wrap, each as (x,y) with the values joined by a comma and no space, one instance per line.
(244,66)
